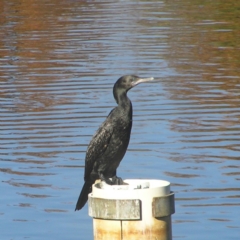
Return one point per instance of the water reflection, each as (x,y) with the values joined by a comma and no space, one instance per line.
(59,62)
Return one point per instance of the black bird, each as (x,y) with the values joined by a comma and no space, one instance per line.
(110,142)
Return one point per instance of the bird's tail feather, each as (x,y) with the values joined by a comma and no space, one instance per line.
(83,197)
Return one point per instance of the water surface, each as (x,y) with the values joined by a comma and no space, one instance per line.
(59,61)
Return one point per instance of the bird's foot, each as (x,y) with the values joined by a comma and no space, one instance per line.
(108,181)
(105,179)
(112,181)
(117,181)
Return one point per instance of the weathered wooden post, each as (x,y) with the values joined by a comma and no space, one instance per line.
(141,209)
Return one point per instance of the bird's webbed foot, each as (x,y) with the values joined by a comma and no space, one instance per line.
(117,180)
(105,179)
(111,181)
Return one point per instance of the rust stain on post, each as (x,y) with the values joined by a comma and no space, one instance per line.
(158,229)
(106,229)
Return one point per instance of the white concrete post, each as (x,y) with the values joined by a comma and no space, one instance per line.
(141,209)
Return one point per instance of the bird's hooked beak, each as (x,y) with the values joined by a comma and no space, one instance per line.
(141,80)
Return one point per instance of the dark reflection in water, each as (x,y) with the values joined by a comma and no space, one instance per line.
(59,61)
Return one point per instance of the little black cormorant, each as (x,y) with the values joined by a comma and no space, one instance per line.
(109,144)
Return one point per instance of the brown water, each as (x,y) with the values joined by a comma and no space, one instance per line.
(59,61)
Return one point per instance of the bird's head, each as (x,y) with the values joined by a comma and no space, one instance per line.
(125,83)
(129,81)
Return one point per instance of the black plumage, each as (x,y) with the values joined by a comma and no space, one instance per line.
(109,144)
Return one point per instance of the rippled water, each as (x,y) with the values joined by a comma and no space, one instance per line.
(59,61)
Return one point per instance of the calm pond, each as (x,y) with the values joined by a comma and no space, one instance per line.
(59,61)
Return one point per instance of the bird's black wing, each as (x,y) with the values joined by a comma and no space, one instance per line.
(98,145)
(96,149)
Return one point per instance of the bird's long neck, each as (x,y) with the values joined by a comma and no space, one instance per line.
(123,102)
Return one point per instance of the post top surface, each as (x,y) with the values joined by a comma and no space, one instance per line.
(132,188)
